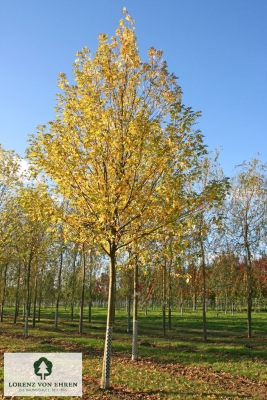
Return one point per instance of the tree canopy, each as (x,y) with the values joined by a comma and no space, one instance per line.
(121,145)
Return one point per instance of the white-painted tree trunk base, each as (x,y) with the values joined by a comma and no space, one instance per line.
(135,339)
(105,383)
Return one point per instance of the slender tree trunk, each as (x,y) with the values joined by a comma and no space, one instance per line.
(71,311)
(58,289)
(17,296)
(90,288)
(56,318)
(90,310)
(3,294)
(164,300)
(135,314)
(28,297)
(249,299)
(169,300)
(26,326)
(105,381)
(194,301)
(203,266)
(169,317)
(217,306)
(129,313)
(73,284)
(40,295)
(39,305)
(16,311)
(233,307)
(83,288)
(249,282)
(30,304)
(34,301)
(114,308)
(23,312)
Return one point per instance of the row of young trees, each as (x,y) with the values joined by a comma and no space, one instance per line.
(167,280)
(129,180)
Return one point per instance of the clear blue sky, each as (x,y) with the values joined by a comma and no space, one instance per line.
(217,48)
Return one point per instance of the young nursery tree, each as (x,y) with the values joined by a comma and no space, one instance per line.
(10,164)
(120,148)
(32,203)
(207,221)
(247,220)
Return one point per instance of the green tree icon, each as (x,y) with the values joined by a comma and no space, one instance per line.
(43,367)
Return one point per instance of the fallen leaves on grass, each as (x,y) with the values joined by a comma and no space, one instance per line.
(243,386)
(91,389)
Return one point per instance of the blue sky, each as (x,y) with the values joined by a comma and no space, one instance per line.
(217,48)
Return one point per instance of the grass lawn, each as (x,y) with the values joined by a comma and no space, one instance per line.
(177,366)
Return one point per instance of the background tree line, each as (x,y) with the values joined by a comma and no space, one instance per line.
(43,265)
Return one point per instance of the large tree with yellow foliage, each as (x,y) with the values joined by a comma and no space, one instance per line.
(121,148)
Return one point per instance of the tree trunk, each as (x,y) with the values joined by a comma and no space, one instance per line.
(169,317)
(217,307)
(114,308)
(105,381)
(39,306)
(27,309)
(73,283)
(26,326)
(249,282)
(34,302)
(17,296)
(71,311)
(129,313)
(169,300)
(233,307)
(30,304)
(58,289)
(3,295)
(90,288)
(23,312)
(135,312)
(249,303)
(16,311)
(90,310)
(83,288)
(203,266)
(249,306)
(40,296)
(194,301)
(164,300)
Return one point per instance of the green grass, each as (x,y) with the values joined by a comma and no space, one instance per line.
(227,351)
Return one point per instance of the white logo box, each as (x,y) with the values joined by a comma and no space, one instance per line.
(43,374)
